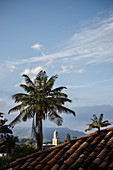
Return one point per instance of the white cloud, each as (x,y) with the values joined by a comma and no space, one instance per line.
(79,71)
(49,62)
(65,69)
(37,46)
(93,44)
(36,70)
(1,100)
(26,71)
(69,69)
(10,68)
(80,86)
(32,71)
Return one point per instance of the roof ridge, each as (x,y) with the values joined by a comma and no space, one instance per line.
(95,133)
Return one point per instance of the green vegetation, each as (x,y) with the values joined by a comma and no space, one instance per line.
(7,141)
(39,102)
(4,129)
(8,144)
(18,152)
(98,123)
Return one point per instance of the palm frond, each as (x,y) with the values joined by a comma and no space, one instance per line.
(16,108)
(16,120)
(51,82)
(58,89)
(28,80)
(54,117)
(89,128)
(57,100)
(95,117)
(1,114)
(57,94)
(28,113)
(19,97)
(106,124)
(100,118)
(62,109)
(5,129)
(28,89)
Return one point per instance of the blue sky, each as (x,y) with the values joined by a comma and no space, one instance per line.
(73,39)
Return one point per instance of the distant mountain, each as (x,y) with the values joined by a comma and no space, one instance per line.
(22,132)
(62,132)
(25,132)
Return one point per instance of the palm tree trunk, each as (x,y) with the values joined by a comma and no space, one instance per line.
(98,129)
(39,136)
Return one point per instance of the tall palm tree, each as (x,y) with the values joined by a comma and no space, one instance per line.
(40,102)
(98,123)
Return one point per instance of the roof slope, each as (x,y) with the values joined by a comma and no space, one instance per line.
(90,152)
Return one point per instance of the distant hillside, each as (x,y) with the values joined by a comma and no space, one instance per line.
(25,132)
(48,133)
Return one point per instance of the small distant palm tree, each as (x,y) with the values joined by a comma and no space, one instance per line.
(98,123)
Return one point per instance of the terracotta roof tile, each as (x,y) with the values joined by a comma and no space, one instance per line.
(70,151)
(91,152)
(47,167)
(111,165)
(55,167)
(64,167)
(74,156)
(77,144)
(103,153)
(52,161)
(69,161)
(39,167)
(57,157)
(103,165)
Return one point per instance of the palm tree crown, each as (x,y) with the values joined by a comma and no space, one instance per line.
(39,102)
(98,123)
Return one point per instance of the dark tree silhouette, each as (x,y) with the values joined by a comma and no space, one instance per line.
(9,142)
(4,129)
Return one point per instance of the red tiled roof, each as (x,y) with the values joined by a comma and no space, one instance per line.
(91,152)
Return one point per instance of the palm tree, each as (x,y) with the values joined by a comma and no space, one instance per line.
(4,129)
(98,123)
(9,142)
(40,102)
